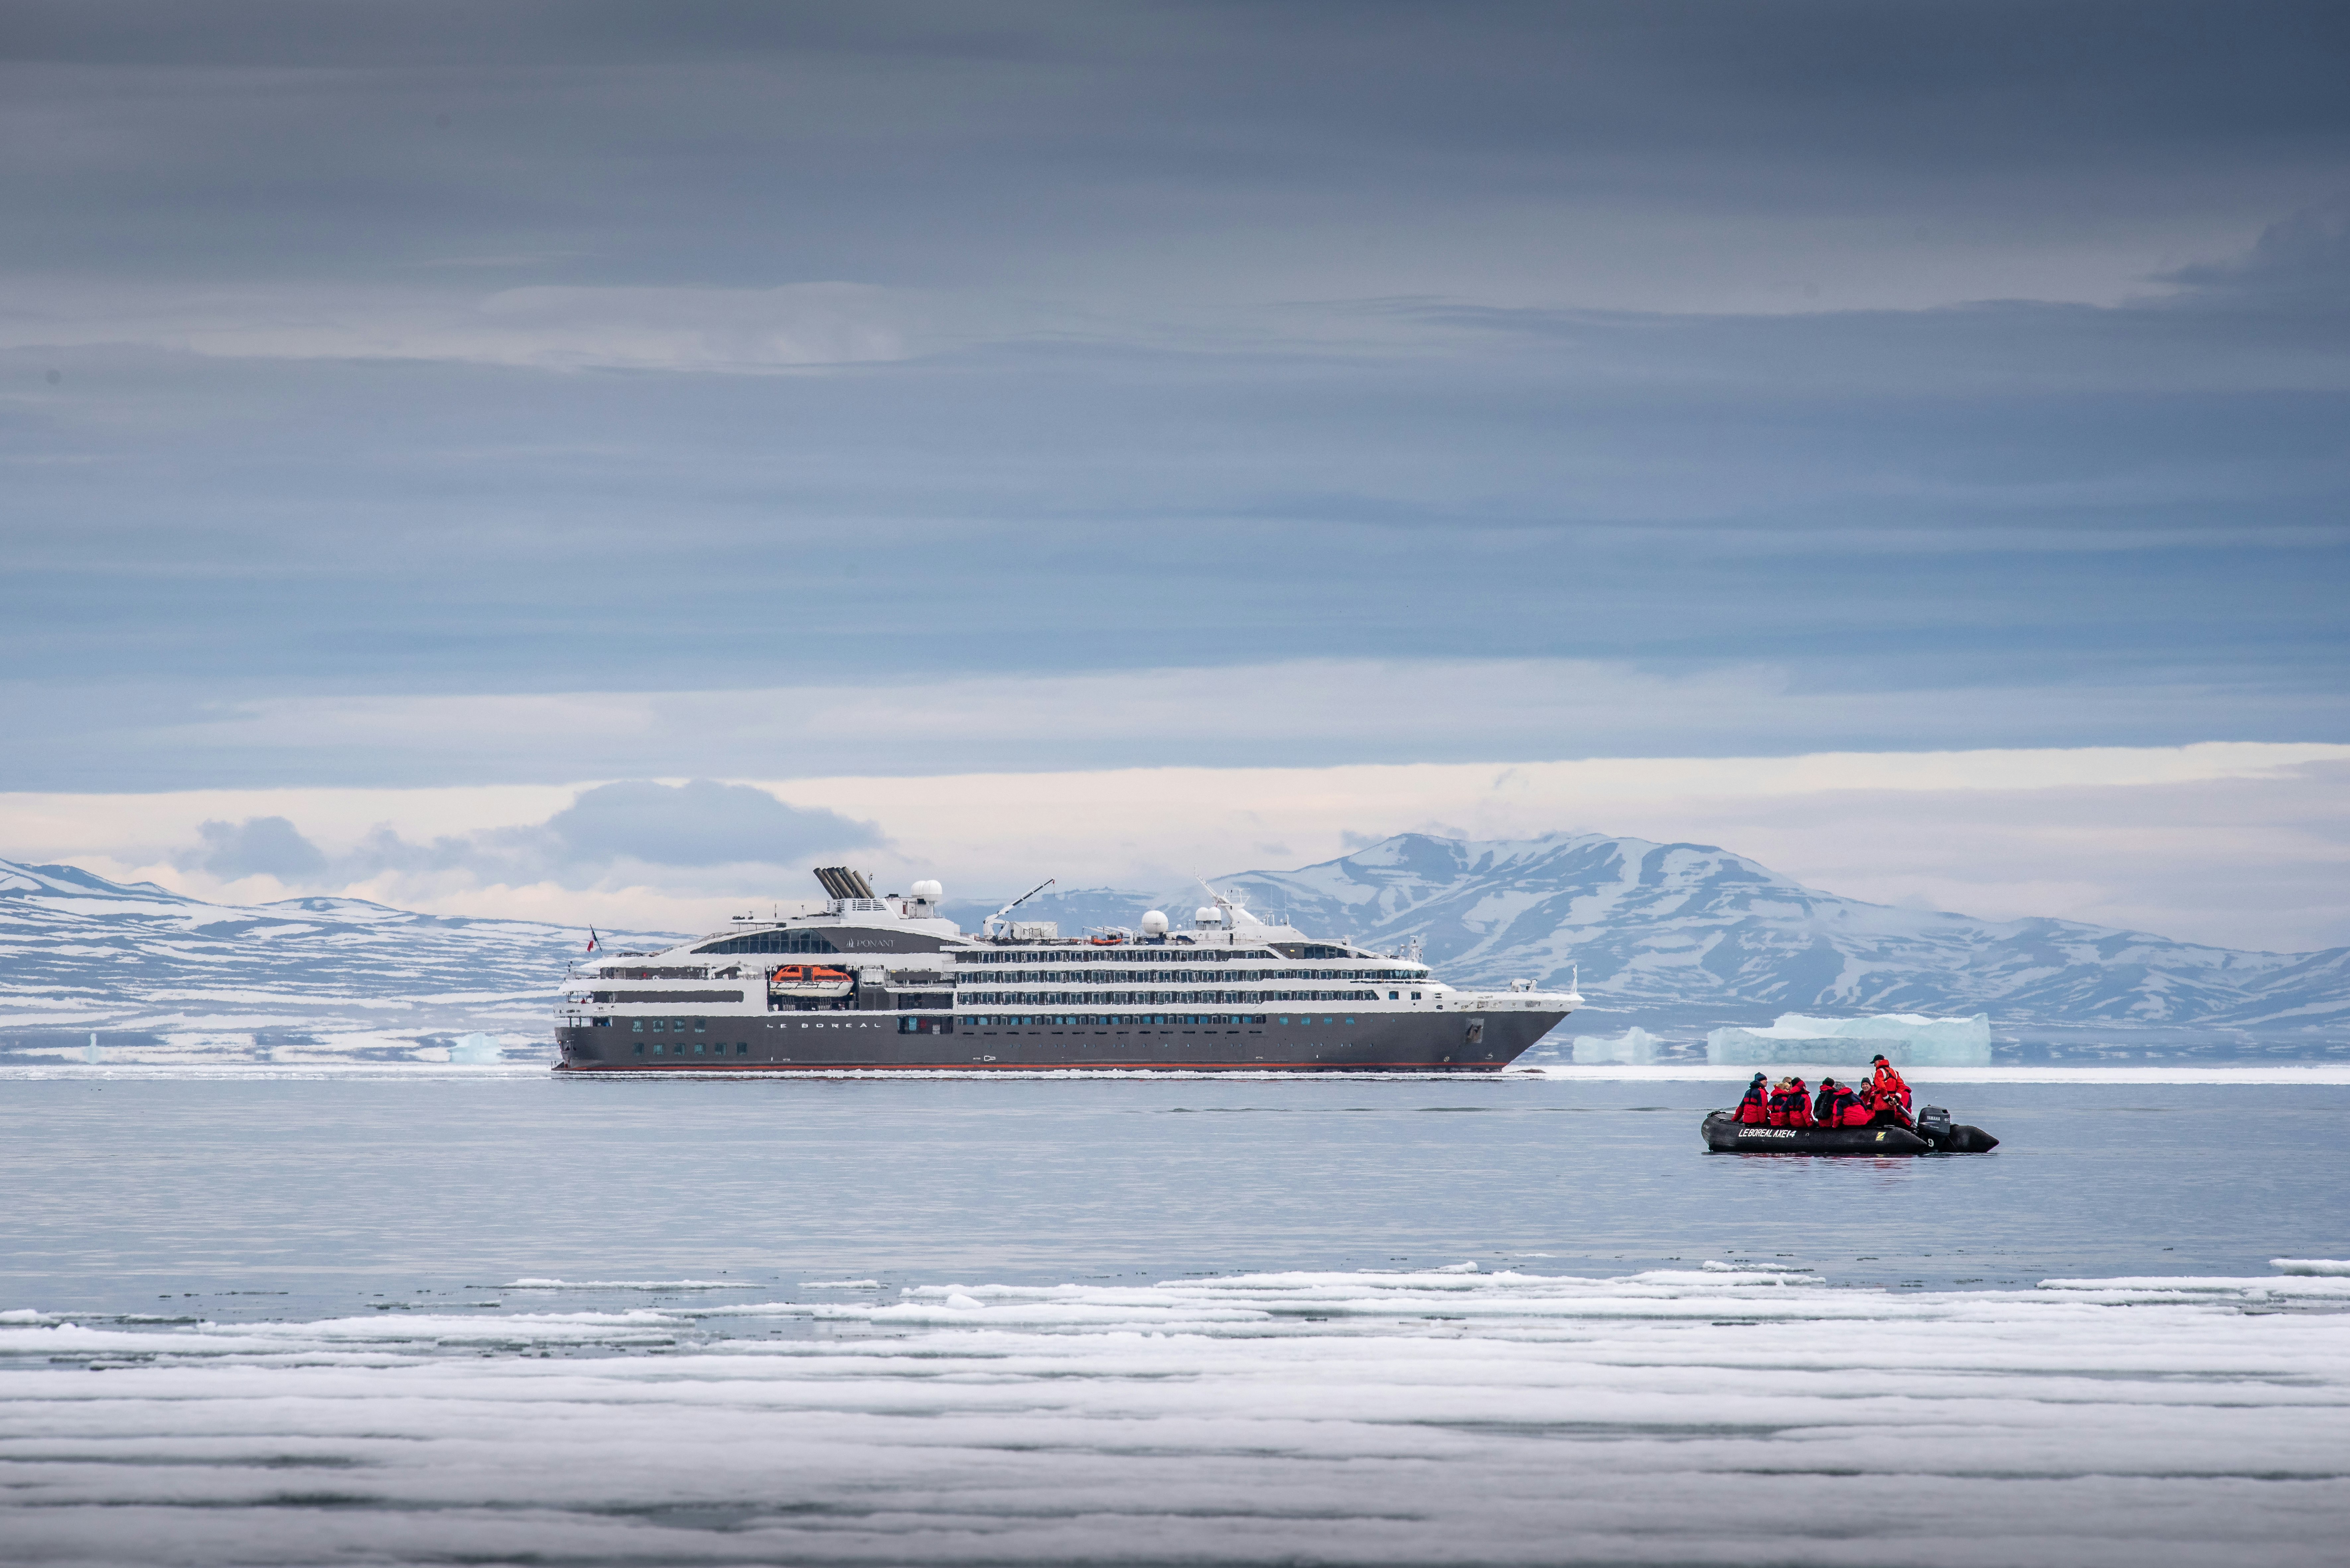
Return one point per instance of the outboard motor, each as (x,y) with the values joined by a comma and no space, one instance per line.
(1934,1124)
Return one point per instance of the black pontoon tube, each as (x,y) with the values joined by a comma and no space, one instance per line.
(1935,1134)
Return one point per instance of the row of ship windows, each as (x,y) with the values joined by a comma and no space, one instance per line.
(1013,998)
(1185,977)
(995,1021)
(1104,1021)
(1149,952)
(1205,957)
(1217,975)
(1145,998)
(1070,1021)
(811,942)
(1128,955)
(678,1026)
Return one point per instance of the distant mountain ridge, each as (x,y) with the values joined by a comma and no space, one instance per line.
(171,977)
(1691,935)
(1679,938)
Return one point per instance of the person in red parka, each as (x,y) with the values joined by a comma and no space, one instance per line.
(1885,1081)
(1835,1102)
(1754,1110)
(1799,1103)
(1780,1098)
(1886,1106)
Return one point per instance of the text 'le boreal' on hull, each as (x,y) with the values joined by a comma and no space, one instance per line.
(858,981)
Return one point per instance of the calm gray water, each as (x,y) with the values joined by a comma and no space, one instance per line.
(282,1197)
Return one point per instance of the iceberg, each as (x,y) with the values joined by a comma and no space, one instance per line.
(1636,1047)
(476,1050)
(1904,1039)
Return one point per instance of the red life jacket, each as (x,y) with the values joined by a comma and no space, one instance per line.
(1799,1104)
(1755,1109)
(1856,1114)
(1891,1083)
(1833,1104)
(1781,1099)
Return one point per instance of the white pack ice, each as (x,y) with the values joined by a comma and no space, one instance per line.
(1635,1047)
(1904,1039)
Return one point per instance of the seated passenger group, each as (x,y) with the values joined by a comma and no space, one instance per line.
(1790,1104)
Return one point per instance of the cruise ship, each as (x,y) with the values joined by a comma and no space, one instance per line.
(867,982)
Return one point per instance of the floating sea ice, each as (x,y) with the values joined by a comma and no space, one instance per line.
(628,1286)
(2310,1266)
(1723,1416)
(2250,1288)
(1716,1266)
(392,1339)
(1635,1047)
(1905,1039)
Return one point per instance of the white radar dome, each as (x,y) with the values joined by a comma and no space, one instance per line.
(1209,915)
(926,889)
(1154,922)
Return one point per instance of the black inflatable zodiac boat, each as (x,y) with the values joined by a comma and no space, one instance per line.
(1935,1134)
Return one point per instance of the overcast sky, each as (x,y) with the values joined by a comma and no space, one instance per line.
(446,398)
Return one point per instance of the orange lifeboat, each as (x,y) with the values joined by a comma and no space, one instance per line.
(809,980)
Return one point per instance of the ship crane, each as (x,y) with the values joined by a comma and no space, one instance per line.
(987,926)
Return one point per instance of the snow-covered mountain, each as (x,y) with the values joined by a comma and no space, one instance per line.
(1689,936)
(1677,937)
(159,976)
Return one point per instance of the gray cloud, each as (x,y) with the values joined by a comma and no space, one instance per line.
(1229,145)
(399,351)
(697,824)
(1307,712)
(2301,263)
(636,829)
(257,846)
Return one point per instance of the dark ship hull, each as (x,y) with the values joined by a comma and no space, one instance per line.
(845,1040)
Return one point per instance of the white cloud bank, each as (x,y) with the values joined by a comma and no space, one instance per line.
(791,327)
(1294,713)
(2243,844)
